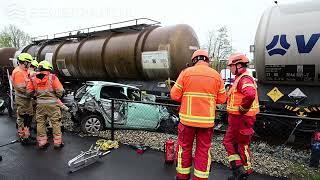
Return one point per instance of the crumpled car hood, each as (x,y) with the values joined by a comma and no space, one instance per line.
(91,92)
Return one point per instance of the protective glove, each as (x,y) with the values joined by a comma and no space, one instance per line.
(243,110)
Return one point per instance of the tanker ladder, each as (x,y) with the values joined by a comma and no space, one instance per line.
(85,159)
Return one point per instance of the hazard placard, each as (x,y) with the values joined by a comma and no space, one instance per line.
(275,94)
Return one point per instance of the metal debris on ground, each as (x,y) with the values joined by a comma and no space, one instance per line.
(11,142)
(85,159)
(140,149)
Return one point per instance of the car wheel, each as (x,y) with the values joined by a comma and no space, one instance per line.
(92,124)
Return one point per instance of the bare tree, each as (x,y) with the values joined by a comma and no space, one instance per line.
(219,47)
(12,36)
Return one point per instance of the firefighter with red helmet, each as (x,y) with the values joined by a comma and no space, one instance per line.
(199,88)
(242,107)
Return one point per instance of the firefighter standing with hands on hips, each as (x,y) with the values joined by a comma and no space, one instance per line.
(23,101)
(199,88)
(242,107)
(47,89)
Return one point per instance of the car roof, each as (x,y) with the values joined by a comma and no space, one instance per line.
(106,83)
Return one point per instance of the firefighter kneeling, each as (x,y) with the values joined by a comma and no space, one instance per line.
(47,89)
(242,107)
(199,88)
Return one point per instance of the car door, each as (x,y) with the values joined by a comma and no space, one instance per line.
(143,116)
(120,107)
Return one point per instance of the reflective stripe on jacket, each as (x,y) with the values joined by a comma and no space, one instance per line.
(19,81)
(235,99)
(47,89)
(199,89)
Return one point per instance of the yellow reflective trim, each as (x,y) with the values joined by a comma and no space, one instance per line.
(232,98)
(203,118)
(222,90)
(234,157)
(247,157)
(248,85)
(233,108)
(197,94)
(179,158)
(179,163)
(201,174)
(212,107)
(198,121)
(247,167)
(189,104)
(178,86)
(209,159)
(184,170)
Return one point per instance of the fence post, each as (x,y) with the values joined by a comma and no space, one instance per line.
(112,119)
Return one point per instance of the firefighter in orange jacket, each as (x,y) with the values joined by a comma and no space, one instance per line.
(242,107)
(199,88)
(22,100)
(47,89)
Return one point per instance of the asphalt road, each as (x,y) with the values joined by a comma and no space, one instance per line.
(27,162)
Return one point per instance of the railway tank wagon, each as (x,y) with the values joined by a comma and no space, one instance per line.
(142,54)
(287,62)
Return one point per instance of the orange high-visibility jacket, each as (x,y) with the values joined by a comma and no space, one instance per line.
(47,89)
(199,89)
(20,80)
(235,98)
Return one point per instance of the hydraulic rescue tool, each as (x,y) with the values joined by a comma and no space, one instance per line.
(86,158)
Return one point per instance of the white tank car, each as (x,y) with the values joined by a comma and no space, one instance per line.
(287,44)
(287,62)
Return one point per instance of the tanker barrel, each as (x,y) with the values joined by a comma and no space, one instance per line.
(129,53)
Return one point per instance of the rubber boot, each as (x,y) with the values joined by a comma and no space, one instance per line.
(175,178)
(44,147)
(29,141)
(57,147)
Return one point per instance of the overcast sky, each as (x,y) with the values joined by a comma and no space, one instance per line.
(44,17)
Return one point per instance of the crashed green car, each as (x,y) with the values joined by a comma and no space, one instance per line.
(132,109)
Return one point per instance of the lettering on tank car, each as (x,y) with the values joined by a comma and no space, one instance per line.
(304,45)
(290,72)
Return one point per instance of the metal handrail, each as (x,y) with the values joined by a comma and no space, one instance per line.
(154,22)
(110,25)
(40,38)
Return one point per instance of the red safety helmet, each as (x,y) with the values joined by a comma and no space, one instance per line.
(237,58)
(200,52)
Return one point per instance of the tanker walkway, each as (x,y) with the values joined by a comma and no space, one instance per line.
(26,162)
